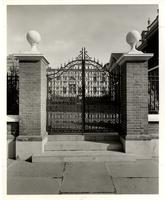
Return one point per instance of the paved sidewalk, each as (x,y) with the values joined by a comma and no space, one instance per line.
(134,177)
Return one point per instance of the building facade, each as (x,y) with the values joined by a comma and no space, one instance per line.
(69,83)
(150,44)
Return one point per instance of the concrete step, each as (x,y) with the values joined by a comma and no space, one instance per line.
(113,136)
(82,156)
(65,137)
(87,136)
(82,146)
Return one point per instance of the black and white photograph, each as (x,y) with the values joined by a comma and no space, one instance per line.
(82,99)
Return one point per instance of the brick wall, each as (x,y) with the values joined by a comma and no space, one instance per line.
(134,98)
(32,105)
(137,98)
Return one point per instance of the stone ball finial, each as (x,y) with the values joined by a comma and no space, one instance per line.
(132,38)
(33,37)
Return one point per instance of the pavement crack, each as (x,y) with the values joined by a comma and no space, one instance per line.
(57,177)
(110,175)
(115,190)
(62,177)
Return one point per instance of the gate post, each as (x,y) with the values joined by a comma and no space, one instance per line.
(32,103)
(134,99)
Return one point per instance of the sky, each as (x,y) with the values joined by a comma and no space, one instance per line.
(65,29)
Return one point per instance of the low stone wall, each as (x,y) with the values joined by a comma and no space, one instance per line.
(12,133)
(11,147)
(153,128)
(13,128)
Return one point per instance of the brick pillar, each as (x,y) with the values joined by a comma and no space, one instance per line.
(134,103)
(32,104)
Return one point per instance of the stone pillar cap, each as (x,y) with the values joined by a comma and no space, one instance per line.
(30,57)
(134,58)
(132,38)
(33,37)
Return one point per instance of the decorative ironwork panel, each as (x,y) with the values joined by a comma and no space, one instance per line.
(64,102)
(79,97)
(153,91)
(114,89)
(98,110)
(12,86)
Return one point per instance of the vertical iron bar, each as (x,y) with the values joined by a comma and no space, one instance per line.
(47,106)
(154,93)
(83,90)
(119,108)
(150,95)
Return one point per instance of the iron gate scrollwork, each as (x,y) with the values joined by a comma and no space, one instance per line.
(153,91)
(79,97)
(12,86)
(114,88)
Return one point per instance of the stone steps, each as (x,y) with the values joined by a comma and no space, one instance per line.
(82,156)
(82,146)
(79,148)
(65,137)
(87,137)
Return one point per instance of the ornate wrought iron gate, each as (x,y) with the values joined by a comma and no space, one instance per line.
(79,97)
